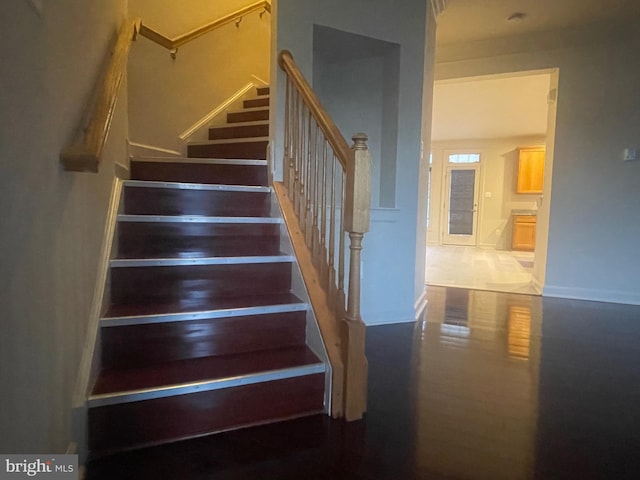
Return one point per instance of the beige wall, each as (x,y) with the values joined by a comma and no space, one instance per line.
(168,96)
(499,160)
(52,221)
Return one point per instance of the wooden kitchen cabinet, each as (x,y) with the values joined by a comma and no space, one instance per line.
(524,233)
(530,170)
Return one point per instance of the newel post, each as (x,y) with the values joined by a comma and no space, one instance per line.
(357,216)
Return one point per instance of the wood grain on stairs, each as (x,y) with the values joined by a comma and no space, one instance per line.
(201,333)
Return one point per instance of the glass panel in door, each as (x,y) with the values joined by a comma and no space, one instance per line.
(461,206)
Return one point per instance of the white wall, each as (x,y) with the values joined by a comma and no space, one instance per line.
(594,222)
(168,96)
(499,170)
(389,259)
(52,224)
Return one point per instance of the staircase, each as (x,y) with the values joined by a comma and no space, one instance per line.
(202,333)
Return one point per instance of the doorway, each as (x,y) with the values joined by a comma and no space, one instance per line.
(461,204)
(473,203)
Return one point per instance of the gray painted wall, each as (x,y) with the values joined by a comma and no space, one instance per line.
(389,260)
(53,221)
(594,222)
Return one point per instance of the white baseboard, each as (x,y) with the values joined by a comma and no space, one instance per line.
(204,121)
(421,304)
(609,296)
(537,284)
(259,81)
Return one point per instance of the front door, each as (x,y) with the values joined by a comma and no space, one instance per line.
(461,205)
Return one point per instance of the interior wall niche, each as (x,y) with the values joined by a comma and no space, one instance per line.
(357,80)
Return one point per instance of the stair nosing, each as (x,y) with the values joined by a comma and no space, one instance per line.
(178,262)
(197,219)
(248,123)
(196,186)
(116,398)
(252,109)
(124,321)
(229,141)
(203,160)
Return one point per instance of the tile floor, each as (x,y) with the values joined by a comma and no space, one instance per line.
(480,269)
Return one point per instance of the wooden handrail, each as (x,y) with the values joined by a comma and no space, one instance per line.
(325,122)
(174,43)
(329,187)
(85,153)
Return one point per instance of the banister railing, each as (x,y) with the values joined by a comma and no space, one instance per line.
(329,186)
(85,153)
(174,43)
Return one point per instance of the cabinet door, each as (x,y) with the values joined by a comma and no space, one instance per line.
(530,170)
(524,233)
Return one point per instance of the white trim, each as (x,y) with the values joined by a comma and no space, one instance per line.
(140,149)
(85,370)
(261,82)
(217,111)
(204,314)
(196,186)
(609,296)
(194,219)
(421,304)
(203,386)
(438,6)
(537,285)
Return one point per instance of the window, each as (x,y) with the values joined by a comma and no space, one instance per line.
(464,158)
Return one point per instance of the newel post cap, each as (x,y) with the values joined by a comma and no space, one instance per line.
(360,141)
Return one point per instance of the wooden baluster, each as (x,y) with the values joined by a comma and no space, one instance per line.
(357,219)
(332,234)
(315,237)
(296,155)
(323,217)
(309,183)
(288,140)
(303,169)
(341,297)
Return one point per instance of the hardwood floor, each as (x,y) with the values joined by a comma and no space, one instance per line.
(489,386)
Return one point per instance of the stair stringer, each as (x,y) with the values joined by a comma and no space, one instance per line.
(198,131)
(323,336)
(91,352)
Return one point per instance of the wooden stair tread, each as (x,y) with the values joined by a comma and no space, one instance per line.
(200,305)
(186,254)
(194,240)
(201,369)
(202,334)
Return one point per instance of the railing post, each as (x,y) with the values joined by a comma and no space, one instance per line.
(357,218)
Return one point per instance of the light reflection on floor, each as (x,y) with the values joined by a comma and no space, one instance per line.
(480,269)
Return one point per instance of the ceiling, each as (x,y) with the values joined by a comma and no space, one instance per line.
(497,107)
(471,20)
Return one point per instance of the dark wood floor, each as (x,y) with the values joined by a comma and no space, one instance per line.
(490,386)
